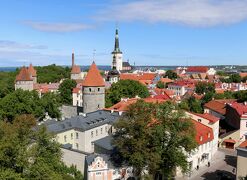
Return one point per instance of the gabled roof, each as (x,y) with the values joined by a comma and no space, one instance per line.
(93,77)
(75,69)
(208,116)
(241,108)
(32,71)
(243,144)
(204,133)
(219,106)
(24,75)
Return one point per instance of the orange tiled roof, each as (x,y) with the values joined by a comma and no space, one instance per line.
(200,69)
(147,76)
(76,90)
(166,80)
(129,76)
(208,116)
(243,144)
(32,71)
(219,106)
(243,74)
(24,75)
(76,69)
(204,133)
(93,77)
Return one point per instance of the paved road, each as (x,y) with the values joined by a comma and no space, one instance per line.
(223,163)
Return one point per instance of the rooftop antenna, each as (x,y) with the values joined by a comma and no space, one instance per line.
(94,52)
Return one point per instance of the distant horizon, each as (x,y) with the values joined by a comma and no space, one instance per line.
(161,32)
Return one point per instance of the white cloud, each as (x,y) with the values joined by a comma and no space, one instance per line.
(200,13)
(6,44)
(57,27)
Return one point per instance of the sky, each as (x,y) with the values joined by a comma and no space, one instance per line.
(151,32)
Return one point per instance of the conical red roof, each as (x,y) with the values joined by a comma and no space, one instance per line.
(24,75)
(32,71)
(93,77)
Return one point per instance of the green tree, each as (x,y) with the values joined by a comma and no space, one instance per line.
(153,137)
(52,73)
(221,73)
(160,85)
(50,103)
(241,96)
(203,87)
(171,74)
(28,102)
(65,90)
(236,78)
(29,154)
(125,89)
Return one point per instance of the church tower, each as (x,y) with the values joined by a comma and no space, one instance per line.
(93,90)
(117,53)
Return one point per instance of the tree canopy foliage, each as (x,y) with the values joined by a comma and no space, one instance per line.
(52,73)
(233,78)
(171,74)
(7,83)
(28,102)
(160,85)
(153,137)
(125,89)
(65,90)
(29,154)
(204,87)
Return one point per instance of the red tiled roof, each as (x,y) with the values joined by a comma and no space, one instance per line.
(166,80)
(204,133)
(147,76)
(200,69)
(24,75)
(243,144)
(243,74)
(32,71)
(129,76)
(76,69)
(219,106)
(76,90)
(93,77)
(123,104)
(209,117)
(241,108)
(229,141)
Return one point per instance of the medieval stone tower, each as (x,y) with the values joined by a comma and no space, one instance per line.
(93,90)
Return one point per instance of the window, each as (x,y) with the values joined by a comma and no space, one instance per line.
(106,130)
(98,106)
(246,124)
(101,130)
(65,138)
(200,138)
(91,134)
(77,136)
(98,173)
(77,146)
(199,120)
(96,132)
(98,89)
(90,89)
(71,135)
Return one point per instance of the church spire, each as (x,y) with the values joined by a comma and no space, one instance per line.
(116,47)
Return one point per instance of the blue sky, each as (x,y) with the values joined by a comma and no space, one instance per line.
(160,32)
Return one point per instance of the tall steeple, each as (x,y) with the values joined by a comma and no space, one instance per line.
(117,60)
(73,58)
(116,47)
(114,62)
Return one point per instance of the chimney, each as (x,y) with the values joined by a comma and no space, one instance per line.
(73,58)
(245,103)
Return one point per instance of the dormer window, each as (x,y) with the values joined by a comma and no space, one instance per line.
(199,120)
(209,135)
